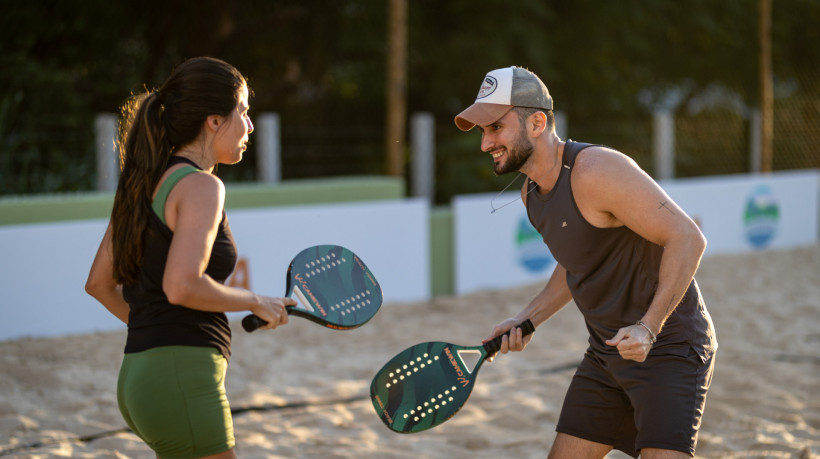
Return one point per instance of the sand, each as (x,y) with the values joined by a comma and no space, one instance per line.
(311,383)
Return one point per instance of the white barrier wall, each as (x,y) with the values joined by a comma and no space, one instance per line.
(751,212)
(44,266)
(736,213)
(499,250)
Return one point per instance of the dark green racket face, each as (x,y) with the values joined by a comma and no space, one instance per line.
(425,385)
(333,287)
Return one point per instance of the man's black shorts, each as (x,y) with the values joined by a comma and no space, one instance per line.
(630,405)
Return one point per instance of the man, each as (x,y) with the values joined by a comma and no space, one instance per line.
(627,255)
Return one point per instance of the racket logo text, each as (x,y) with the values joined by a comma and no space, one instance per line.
(461,379)
(384,410)
(364,268)
(306,289)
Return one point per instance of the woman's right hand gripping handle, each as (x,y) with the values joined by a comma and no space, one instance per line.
(268,314)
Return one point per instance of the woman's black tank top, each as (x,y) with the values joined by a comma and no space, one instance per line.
(153,321)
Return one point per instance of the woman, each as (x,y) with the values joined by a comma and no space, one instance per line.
(166,254)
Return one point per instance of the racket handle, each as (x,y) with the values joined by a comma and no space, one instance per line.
(494,345)
(252,322)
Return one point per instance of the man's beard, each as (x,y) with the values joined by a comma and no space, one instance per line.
(517,155)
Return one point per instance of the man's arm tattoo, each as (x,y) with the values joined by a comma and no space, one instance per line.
(663,205)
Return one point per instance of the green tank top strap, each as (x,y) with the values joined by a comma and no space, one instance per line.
(165,189)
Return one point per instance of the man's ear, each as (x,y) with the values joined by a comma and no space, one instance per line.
(539,123)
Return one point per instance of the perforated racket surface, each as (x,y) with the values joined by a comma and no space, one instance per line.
(428,383)
(332,287)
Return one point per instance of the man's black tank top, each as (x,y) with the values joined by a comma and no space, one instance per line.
(153,321)
(613,272)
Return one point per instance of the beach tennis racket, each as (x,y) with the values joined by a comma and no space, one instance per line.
(331,286)
(427,384)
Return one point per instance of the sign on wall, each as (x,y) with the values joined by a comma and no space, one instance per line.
(751,212)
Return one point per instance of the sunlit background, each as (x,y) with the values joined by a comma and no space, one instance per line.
(322,66)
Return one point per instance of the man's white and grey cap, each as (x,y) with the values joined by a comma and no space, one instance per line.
(500,91)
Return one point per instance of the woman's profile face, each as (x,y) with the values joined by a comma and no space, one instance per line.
(232,138)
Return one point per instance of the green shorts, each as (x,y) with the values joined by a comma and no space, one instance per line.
(173,397)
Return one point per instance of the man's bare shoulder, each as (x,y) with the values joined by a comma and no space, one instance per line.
(602,163)
(601,155)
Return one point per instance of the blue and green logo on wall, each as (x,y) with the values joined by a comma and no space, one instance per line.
(532,253)
(761,217)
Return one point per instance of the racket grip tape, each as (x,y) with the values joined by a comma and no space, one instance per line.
(252,322)
(494,345)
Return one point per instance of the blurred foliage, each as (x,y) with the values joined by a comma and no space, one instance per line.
(321,66)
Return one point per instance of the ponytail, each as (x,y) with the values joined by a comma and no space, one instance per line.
(144,153)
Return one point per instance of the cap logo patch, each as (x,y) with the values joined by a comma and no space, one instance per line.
(487,87)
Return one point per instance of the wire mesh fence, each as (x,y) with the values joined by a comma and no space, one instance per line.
(58,157)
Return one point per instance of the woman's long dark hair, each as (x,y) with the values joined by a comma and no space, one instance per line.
(153,125)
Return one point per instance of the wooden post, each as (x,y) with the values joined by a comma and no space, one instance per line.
(396,86)
(766,97)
